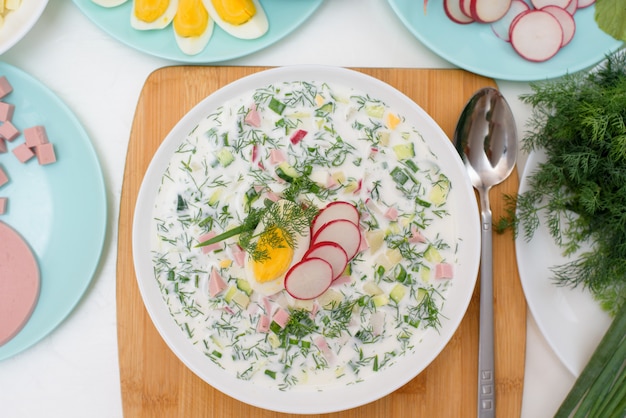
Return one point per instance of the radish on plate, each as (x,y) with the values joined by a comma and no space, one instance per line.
(501,27)
(342,232)
(568,24)
(536,35)
(453,10)
(308,279)
(540,4)
(585,3)
(488,11)
(333,211)
(332,253)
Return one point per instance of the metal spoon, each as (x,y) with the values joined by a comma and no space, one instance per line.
(486,139)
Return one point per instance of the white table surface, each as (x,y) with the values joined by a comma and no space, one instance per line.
(73,372)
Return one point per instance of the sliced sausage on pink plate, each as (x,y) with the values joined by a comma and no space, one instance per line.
(19,283)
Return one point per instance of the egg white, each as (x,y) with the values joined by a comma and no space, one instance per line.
(301,245)
(192,45)
(254,28)
(159,23)
(109,3)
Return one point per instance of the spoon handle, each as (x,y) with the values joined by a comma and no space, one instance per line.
(486,370)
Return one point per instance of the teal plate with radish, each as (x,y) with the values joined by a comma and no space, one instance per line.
(59,209)
(476,48)
(284,16)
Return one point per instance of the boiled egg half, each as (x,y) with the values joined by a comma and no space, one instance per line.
(193,26)
(267,275)
(244,19)
(109,3)
(152,14)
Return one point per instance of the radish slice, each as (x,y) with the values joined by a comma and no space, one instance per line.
(572,7)
(454,12)
(464,5)
(488,11)
(536,35)
(309,278)
(502,26)
(332,253)
(585,3)
(333,211)
(342,232)
(568,24)
(540,4)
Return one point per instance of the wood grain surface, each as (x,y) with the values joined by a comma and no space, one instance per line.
(155,383)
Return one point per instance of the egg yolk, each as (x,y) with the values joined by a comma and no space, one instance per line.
(191,18)
(236,12)
(279,256)
(150,10)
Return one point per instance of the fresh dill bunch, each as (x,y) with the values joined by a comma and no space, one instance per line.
(579,192)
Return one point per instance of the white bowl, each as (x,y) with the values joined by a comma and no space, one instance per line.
(18,22)
(305,399)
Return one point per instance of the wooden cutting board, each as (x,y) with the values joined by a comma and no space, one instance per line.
(155,383)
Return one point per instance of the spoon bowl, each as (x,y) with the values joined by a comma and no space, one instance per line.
(486,139)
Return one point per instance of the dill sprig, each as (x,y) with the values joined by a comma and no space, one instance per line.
(580,189)
(283,222)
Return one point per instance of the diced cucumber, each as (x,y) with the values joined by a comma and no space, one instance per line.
(401,274)
(273,340)
(215,197)
(286,172)
(404,151)
(230,293)
(244,286)
(181,204)
(330,299)
(439,192)
(421,294)
(250,196)
(225,157)
(425,274)
(399,176)
(433,255)
(380,300)
(241,299)
(277,106)
(352,186)
(324,110)
(375,110)
(397,292)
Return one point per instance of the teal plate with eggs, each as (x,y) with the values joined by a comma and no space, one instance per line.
(284,17)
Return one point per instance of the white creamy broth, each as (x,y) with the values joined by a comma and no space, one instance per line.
(351,148)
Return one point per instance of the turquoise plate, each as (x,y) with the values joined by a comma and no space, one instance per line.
(476,48)
(59,209)
(284,17)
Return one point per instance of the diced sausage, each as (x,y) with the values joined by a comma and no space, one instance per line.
(8,131)
(23,152)
(45,154)
(35,135)
(5,87)
(4,179)
(6,111)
